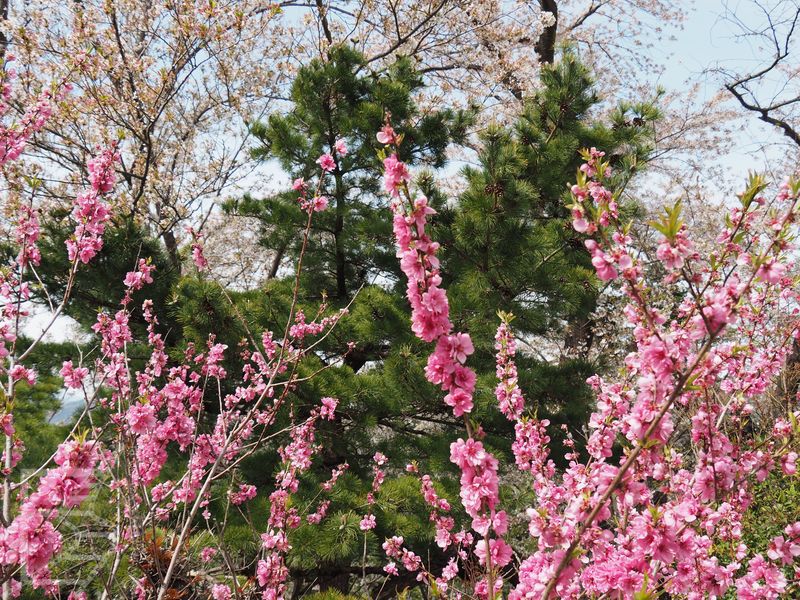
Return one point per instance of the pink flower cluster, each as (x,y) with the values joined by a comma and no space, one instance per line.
(430,312)
(509,396)
(674,252)
(632,539)
(246,492)
(31,539)
(90,212)
(326,162)
(272,571)
(317,202)
(198,258)
(368,521)
(480,495)
(14,290)
(446,365)
(387,136)
(393,547)
(14,137)
(301,328)
(335,474)
(73,377)
(395,175)
(27,235)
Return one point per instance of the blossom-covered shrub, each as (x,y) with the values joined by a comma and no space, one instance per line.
(136,418)
(646,513)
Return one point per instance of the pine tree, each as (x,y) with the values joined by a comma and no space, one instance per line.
(332,99)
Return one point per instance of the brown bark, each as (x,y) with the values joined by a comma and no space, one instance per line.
(4,4)
(545,46)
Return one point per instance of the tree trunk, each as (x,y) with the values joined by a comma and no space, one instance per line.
(171,245)
(4,4)
(578,338)
(545,46)
(341,274)
(789,380)
(168,236)
(276,261)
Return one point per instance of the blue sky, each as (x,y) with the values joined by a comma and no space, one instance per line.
(710,41)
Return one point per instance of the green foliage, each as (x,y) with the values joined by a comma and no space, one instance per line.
(331,595)
(101,287)
(508,242)
(776,502)
(33,408)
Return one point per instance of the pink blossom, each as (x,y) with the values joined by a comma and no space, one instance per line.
(27,235)
(246,492)
(507,392)
(101,170)
(459,345)
(450,571)
(367,523)
(20,373)
(395,174)
(387,136)
(580,225)
(789,463)
(771,271)
(460,400)
(31,540)
(207,554)
(673,253)
(73,377)
(317,516)
(328,408)
(136,280)
(7,423)
(602,262)
(90,213)
(198,258)
(326,162)
(319,203)
(141,418)
(500,552)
